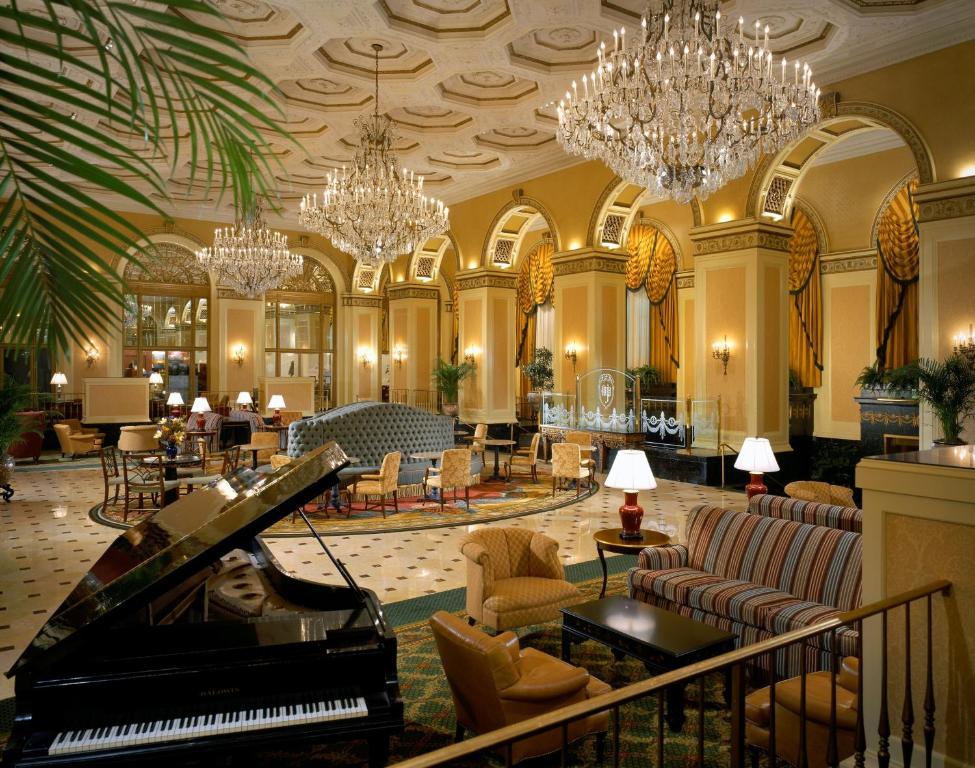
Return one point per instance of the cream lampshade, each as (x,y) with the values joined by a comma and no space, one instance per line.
(755,457)
(174,402)
(244,398)
(200,406)
(277,403)
(631,473)
(59,380)
(155,378)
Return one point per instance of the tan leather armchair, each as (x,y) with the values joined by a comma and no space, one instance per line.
(514,578)
(787,724)
(495,683)
(75,442)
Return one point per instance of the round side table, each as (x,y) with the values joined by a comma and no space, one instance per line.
(608,540)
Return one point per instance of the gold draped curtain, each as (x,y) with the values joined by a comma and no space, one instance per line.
(805,305)
(534,289)
(652,264)
(897,271)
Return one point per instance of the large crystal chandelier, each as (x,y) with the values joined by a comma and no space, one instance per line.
(691,105)
(249,257)
(375,212)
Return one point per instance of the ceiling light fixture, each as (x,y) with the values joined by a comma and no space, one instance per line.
(375,212)
(249,257)
(690,106)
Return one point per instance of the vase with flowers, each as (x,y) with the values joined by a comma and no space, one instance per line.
(171,433)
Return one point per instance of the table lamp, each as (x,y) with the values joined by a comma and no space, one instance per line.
(277,403)
(60,380)
(200,406)
(155,379)
(175,401)
(756,457)
(631,474)
(244,400)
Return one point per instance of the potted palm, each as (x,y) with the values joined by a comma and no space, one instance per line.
(949,388)
(540,373)
(448,378)
(13,398)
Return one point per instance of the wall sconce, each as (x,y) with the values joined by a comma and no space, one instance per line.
(399,355)
(470,355)
(238,355)
(365,357)
(965,345)
(572,354)
(91,355)
(721,351)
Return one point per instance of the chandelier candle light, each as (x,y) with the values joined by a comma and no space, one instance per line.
(631,473)
(249,257)
(690,105)
(375,211)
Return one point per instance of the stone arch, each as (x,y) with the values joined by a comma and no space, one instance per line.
(425,261)
(516,206)
(368,278)
(839,113)
(166,234)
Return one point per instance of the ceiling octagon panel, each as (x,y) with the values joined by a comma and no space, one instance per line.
(471,84)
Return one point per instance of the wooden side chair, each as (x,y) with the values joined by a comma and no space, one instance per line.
(215,465)
(270,439)
(111,473)
(454,472)
(528,457)
(477,440)
(567,465)
(144,481)
(381,485)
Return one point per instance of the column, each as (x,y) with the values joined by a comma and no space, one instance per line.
(590,313)
(741,272)
(413,343)
(360,352)
(487,333)
(946,234)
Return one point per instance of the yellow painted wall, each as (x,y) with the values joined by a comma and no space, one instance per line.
(770,368)
(240,324)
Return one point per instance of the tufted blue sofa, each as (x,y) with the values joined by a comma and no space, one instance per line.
(370,430)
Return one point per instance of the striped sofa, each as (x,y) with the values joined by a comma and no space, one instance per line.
(757,577)
(812,512)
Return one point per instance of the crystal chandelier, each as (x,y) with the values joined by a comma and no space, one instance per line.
(249,257)
(690,106)
(375,212)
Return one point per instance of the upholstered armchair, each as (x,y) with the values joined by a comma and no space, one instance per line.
(514,578)
(495,683)
(526,457)
(454,472)
(567,465)
(381,485)
(824,493)
(74,442)
(477,440)
(788,696)
(584,441)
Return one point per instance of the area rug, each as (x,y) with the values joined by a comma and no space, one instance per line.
(429,711)
(489,501)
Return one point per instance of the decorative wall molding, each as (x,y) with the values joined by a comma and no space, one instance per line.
(952,199)
(519,201)
(685,280)
(486,279)
(357,300)
(737,236)
(397,293)
(847,261)
(574,263)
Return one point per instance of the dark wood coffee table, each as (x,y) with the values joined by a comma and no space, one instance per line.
(662,640)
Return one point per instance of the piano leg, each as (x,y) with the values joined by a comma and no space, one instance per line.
(378,751)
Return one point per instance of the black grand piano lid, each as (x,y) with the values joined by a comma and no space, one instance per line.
(180,540)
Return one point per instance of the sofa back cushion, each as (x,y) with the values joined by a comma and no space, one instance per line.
(814,513)
(810,562)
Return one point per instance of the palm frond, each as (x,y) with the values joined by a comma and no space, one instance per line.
(81,81)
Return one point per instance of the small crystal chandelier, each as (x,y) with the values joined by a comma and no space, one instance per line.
(249,257)
(374,212)
(691,106)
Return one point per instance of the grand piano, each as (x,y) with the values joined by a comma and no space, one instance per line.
(142,665)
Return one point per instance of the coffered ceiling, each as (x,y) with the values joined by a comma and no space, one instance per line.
(468,81)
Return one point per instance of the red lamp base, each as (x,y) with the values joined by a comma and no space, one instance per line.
(631,515)
(174,412)
(201,421)
(756,486)
(276,418)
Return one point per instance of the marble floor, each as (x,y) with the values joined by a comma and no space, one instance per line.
(48,542)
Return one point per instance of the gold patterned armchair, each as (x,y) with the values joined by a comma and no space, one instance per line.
(567,465)
(823,493)
(495,683)
(514,578)
(270,439)
(584,441)
(454,472)
(527,457)
(381,485)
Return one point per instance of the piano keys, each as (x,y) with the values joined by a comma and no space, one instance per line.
(137,666)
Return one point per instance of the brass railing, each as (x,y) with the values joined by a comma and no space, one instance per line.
(735,662)
(426,399)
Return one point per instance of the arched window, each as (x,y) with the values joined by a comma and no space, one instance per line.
(165,319)
(299,329)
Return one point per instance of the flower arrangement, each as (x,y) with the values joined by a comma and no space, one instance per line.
(171,431)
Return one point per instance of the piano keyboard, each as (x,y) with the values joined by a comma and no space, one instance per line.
(212,724)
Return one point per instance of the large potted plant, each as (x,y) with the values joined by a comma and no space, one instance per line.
(448,378)
(13,398)
(949,388)
(540,373)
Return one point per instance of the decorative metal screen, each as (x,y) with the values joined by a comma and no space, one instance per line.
(503,250)
(613,230)
(776,196)
(425,266)
(367,278)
